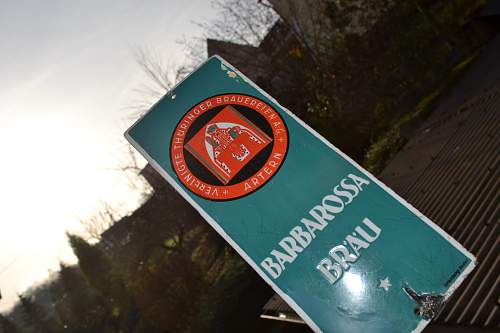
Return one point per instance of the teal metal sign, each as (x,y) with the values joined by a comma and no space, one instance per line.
(342,249)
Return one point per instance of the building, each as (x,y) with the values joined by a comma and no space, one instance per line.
(274,65)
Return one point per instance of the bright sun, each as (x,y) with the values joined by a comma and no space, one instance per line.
(52,171)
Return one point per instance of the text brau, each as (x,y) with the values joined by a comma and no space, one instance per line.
(301,236)
(341,257)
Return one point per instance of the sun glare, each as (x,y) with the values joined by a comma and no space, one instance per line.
(53,170)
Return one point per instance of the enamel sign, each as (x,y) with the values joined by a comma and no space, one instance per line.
(342,249)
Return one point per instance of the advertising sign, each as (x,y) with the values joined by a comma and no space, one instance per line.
(342,249)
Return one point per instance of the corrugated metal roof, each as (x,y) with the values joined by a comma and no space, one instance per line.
(450,172)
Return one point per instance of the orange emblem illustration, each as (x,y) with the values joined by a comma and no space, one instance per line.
(228,146)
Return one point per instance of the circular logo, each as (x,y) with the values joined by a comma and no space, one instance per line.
(228,146)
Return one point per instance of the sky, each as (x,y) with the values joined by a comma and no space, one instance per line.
(67,76)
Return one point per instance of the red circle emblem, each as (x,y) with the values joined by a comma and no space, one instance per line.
(228,146)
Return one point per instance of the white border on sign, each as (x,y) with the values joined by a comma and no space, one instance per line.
(422,324)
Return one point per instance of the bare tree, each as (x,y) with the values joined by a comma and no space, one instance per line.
(130,164)
(244,22)
(101,221)
(161,76)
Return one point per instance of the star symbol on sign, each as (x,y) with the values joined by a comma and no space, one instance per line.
(385,284)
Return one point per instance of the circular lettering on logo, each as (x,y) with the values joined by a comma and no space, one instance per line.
(228,146)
